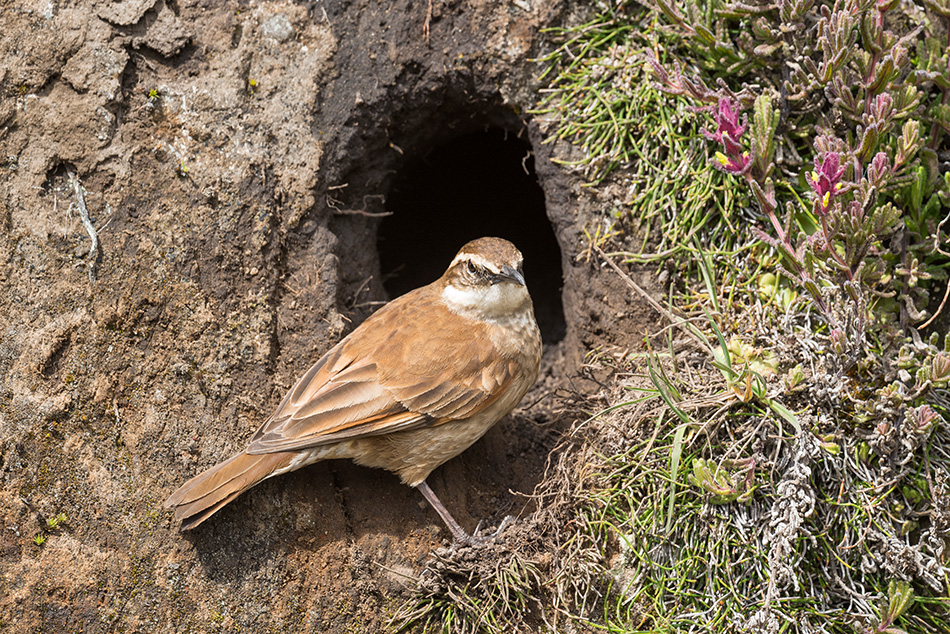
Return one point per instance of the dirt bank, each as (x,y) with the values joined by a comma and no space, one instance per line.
(235,160)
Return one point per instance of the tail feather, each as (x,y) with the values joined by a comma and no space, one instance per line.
(202,496)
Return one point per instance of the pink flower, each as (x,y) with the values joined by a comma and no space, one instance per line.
(737,164)
(728,128)
(825,180)
(731,159)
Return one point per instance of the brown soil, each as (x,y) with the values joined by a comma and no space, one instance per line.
(234,159)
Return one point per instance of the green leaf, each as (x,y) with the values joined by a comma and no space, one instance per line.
(764,123)
(675,454)
(900,597)
(785,413)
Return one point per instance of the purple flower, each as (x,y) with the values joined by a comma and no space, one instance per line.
(731,159)
(728,128)
(825,180)
(737,164)
(727,122)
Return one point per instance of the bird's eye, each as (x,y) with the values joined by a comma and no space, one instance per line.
(471,268)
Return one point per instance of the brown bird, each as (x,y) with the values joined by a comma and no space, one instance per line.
(416,384)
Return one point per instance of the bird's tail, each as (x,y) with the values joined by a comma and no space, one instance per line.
(202,496)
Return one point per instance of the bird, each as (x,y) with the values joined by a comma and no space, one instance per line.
(414,385)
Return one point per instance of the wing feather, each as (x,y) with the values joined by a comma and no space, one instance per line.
(381,379)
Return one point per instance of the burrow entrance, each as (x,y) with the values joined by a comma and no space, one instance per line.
(480,183)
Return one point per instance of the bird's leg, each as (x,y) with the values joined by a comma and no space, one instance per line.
(458,533)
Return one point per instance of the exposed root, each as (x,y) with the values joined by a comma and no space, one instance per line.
(94,253)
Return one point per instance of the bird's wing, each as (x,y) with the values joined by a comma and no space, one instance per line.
(393,373)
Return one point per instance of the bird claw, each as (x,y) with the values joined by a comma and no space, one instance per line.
(475,539)
(504,523)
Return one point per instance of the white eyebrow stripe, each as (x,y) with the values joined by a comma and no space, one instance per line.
(474,258)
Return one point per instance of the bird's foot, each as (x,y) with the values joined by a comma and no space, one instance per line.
(459,536)
(504,523)
(477,539)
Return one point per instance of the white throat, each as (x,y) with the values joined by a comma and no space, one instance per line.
(496,302)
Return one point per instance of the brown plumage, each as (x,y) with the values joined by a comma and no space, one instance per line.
(413,386)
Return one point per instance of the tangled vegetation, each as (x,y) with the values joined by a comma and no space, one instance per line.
(804,485)
(778,459)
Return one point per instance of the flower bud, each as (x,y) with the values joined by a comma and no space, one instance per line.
(921,418)
(940,368)
(838,341)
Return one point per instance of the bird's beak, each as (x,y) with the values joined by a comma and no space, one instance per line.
(508,273)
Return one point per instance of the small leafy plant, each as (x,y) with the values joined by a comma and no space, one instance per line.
(805,491)
(848,113)
(856,101)
(53,523)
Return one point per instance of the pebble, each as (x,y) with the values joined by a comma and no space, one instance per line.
(277,27)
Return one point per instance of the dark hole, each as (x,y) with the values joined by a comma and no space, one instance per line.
(478,184)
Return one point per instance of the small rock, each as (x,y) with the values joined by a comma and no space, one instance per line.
(124,13)
(55,407)
(96,67)
(167,35)
(277,27)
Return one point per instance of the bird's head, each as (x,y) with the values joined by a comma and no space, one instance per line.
(485,280)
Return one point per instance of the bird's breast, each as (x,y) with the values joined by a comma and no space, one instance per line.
(517,337)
